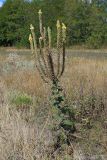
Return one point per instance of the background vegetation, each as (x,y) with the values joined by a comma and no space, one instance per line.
(86,22)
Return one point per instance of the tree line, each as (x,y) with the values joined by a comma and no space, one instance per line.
(86,22)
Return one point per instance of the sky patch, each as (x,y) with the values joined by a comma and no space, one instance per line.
(1,3)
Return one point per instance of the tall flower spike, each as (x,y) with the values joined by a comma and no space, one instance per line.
(34,39)
(49,37)
(44,37)
(31,43)
(63,32)
(58,32)
(58,25)
(40,22)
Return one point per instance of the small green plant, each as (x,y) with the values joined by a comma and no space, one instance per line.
(21,100)
(51,68)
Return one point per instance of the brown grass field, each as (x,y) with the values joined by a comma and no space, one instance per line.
(24,124)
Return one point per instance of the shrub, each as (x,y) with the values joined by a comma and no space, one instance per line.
(95,41)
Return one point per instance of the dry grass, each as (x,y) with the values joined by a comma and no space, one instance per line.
(20,139)
(25,81)
(84,76)
(85,84)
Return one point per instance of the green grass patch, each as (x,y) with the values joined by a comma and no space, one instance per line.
(22,99)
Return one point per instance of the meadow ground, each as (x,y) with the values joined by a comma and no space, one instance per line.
(25,116)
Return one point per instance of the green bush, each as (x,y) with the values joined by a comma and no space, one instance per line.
(95,41)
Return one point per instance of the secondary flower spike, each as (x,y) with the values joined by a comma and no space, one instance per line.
(30,37)
(64,32)
(40,22)
(31,43)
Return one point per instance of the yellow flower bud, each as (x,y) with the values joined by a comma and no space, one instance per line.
(58,24)
(40,12)
(31,27)
(63,26)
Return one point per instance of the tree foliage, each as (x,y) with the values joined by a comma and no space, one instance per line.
(86,22)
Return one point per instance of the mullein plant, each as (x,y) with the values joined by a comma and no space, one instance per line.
(51,69)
